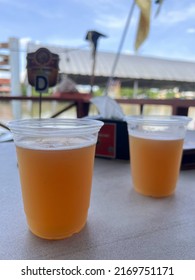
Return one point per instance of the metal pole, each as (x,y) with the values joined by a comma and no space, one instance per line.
(93,73)
(15,76)
(120,46)
(40,104)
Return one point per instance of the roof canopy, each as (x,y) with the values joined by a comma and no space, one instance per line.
(148,71)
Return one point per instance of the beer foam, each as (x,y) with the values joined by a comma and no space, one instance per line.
(55,143)
(156,135)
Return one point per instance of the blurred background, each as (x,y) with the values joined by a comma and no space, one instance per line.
(157,77)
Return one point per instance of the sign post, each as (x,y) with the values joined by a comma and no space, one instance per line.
(42,67)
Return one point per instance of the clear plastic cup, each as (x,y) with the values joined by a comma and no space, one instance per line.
(55,159)
(156,145)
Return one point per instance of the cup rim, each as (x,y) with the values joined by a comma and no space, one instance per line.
(158,120)
(63,126)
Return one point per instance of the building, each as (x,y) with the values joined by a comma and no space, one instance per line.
(4,86)
(131,70)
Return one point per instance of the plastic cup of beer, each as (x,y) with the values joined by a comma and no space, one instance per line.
(55,160)
(156,146)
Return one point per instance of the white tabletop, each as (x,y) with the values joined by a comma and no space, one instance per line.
(121,223)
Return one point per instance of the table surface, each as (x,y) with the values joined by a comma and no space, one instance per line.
(121,223)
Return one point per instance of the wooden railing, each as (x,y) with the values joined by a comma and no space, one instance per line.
(82,102)
(179,106)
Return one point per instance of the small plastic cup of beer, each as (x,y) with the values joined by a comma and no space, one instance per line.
(55,159)
(156,146)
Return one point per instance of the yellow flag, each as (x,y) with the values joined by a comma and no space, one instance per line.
(144,22)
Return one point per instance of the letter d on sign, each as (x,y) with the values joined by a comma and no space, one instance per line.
(41,83)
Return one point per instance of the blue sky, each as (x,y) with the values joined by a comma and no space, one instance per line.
(65,23)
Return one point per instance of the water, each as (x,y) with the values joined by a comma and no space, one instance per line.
(31,110)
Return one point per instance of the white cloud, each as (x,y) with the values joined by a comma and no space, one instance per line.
(74,42)
(98,5)
(49,15)
(110,21)
(24,41)
(15,4)
(176,16)
(191,30)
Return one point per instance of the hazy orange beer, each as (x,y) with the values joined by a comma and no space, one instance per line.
(155,153)
(55,158)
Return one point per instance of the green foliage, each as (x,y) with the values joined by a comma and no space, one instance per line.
(99,92)
(170,94)
(127,92)
(124,92)
(23,89)
(141,93)
(36,93)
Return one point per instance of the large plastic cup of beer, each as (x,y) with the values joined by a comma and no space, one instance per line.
(156,146)
(55,160)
